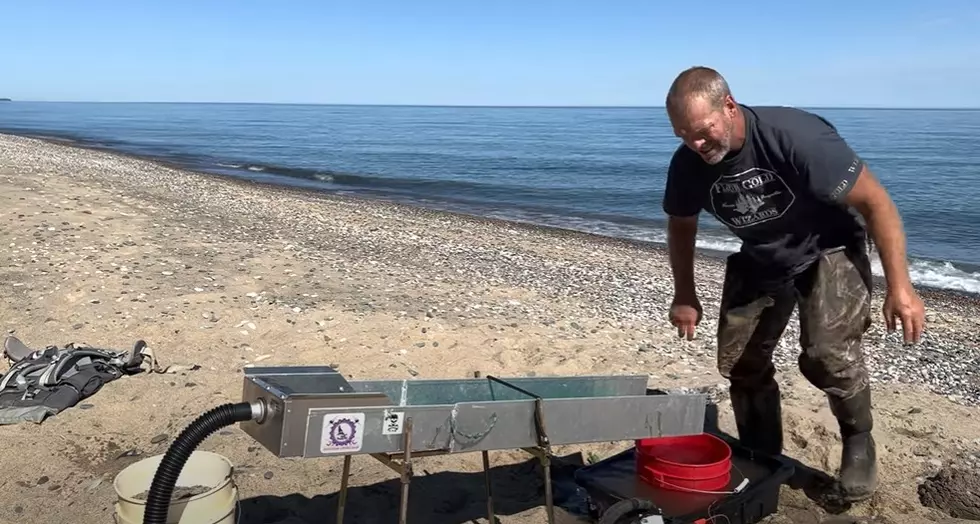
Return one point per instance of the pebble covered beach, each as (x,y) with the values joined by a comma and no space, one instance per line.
(217,274)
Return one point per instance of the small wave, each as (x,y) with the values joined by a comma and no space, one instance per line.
(943,275)
(930,273)
(935,274)
(716,244)
(63,140)
(442,188)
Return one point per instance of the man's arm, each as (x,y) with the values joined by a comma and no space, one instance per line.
(682,204)
(681,233)
(885,225)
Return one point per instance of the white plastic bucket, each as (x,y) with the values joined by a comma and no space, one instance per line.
(216,506)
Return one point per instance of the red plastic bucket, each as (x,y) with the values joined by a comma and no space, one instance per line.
(700,462)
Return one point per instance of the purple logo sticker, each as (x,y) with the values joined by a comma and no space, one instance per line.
(342,433)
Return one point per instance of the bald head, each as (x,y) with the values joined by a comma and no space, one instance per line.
(697,84)
(704,115)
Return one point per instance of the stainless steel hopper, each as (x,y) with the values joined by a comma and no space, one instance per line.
(316,412)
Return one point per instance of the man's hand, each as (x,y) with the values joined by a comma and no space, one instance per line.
(904,305)
(685,314)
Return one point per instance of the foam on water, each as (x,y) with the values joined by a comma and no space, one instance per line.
(943,275)
(932,273)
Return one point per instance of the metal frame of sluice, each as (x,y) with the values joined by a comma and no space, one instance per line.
(314,412)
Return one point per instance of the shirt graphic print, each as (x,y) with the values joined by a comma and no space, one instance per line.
(750,198)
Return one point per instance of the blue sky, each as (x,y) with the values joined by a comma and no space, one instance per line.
(830,53)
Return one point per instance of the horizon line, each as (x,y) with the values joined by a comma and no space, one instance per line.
(481,106)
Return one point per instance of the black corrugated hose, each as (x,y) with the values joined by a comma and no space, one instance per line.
(162,488)
(625,508)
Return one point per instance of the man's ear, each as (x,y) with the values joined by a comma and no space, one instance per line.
(730,105)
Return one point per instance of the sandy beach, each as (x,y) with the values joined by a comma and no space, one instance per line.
(216,274)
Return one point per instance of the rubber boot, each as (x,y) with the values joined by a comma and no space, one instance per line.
(759,418)
(858,465)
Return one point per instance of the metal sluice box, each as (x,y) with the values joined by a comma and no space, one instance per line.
(316,412)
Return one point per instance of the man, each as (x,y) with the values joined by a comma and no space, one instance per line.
(794,192)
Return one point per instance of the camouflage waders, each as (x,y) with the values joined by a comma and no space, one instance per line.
(834,299)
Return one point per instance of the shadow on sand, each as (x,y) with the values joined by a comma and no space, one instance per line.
(434,498)
(459,498)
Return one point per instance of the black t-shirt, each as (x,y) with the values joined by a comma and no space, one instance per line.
(781,193)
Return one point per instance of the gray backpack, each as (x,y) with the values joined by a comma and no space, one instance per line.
(42,383)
